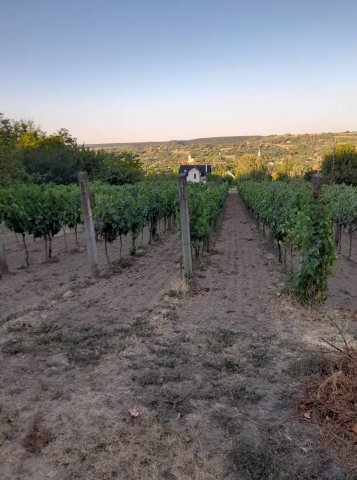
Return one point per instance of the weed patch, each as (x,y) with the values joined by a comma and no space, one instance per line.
(259,355)
(7,425)
(245,393)
(81,346)
(13,346)
(218,340)
(310,364)
(275,457)
(141,327)
(226,364)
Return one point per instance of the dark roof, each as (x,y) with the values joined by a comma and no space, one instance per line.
(200,168)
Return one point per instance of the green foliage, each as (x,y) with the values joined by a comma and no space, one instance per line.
(42,210)
(119,210)
(303,221)
(11,168)
(294,153)
(39,210)
(51,160)
(341,202)
(205,202)
(288,168)
(276,203)
(12,131)
(121,168)
(57,158)
(29,154)
(340,165)
(310,282)
(250,165)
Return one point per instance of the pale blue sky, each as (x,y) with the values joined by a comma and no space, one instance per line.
(139,70)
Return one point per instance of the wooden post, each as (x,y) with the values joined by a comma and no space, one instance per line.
(3,263)
(316,183)
(336,234)
(185,226)
(88,224)
(332,175)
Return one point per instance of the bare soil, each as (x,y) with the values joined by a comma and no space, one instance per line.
(343,284)
(131,377)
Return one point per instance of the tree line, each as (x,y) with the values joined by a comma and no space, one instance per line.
(30,155)
(338,166)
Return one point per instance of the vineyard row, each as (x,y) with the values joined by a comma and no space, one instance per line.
(43,210)
(304,221)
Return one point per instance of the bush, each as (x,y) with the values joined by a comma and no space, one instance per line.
(340,166)
(119,168)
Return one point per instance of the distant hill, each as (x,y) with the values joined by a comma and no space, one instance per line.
(348,136)
(299,149)
(173,143)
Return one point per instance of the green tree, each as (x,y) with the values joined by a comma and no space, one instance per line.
(121,167)
(340,165)
(250,165)
(90,160)
(51,158)
(28,154)
(57,158)
(11,131)
(11,168)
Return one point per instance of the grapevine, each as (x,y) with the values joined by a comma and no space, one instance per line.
(302,221)
(43,210)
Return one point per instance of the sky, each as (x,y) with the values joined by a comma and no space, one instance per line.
(155,70)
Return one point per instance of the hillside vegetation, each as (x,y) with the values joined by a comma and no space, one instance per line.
(290,151)
(30,155)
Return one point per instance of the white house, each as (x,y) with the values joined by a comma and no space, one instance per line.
(195,173)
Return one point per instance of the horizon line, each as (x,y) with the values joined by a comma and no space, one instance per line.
(220,136)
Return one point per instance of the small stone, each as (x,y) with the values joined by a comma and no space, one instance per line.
(68,294)
(134,412)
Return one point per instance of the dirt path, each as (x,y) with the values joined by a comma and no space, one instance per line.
(342,285)
(252,344)
(210,377)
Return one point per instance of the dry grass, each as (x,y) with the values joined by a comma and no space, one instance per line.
(172,452)
(179,288)
(331,399)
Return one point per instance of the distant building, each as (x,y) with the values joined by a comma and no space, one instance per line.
(195,173)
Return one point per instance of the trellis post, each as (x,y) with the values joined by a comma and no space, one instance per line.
(88,224)
(3,262)
(185,227)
